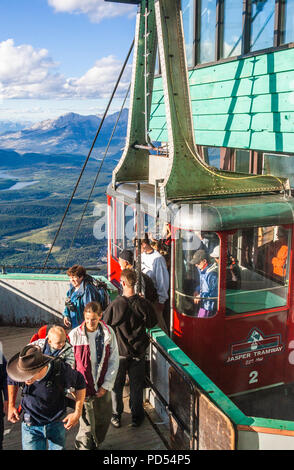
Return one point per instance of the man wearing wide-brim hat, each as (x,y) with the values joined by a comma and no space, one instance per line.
(44,381)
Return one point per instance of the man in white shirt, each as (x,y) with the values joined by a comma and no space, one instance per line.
(154,265)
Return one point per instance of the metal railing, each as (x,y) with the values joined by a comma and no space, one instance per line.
(4,268)
(189,429)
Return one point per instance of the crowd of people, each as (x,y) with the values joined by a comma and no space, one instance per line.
(83,364)
(74,373)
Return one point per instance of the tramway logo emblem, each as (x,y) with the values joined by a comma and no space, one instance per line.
(255,347)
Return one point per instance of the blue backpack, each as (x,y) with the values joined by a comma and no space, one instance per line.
(101,292)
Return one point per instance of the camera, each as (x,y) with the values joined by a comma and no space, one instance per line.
(69,304)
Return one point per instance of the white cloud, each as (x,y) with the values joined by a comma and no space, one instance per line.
(96,10)
(26,72)
(98,82)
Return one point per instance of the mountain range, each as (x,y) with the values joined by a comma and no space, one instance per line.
(71,133)
(10,126)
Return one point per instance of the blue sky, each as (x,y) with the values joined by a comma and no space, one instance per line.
(58,56)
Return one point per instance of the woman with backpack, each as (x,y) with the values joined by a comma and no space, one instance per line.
(82,290)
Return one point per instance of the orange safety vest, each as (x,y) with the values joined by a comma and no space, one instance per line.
(279,261)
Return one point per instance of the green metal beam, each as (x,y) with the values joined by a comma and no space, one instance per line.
(134,164)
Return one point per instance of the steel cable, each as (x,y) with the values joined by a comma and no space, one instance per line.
(89,154)
(97,175)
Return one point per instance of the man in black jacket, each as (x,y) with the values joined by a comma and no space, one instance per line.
(129,316)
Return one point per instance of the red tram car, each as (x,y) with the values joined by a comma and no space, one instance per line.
(248,342)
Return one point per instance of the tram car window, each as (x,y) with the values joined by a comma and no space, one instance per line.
(129,227)
(149,224)
(196,281)
(258,260)
(122,227)
(118,228)
(111,216)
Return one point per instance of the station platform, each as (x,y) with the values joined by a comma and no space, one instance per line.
(127,438)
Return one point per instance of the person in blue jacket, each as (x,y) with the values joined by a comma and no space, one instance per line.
(206,293)
(79,294)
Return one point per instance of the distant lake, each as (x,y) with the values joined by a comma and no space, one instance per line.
(15,186)
(22,184)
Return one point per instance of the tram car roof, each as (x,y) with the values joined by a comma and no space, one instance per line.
(214,214)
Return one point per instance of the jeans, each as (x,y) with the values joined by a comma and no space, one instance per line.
(136,370)
(36,437)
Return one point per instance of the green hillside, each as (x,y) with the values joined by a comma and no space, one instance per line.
(29,217)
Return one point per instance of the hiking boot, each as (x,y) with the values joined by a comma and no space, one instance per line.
(115,421)
(137,422)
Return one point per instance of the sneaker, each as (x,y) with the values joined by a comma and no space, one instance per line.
(115,421)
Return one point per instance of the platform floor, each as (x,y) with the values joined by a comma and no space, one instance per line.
(125,438)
